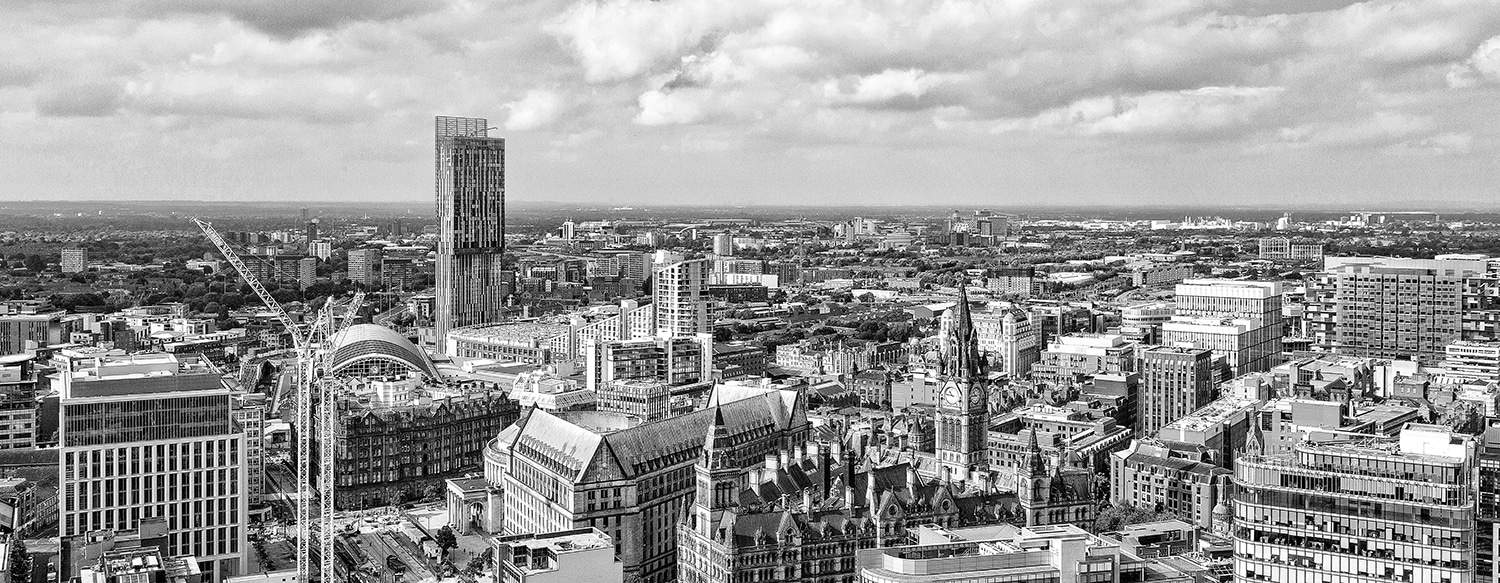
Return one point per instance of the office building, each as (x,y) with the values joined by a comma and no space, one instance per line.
(1175,381)
(1142,323)
(677,291)
(74,260)
(581,555)
(647,399)
(26,325)
(249,413)
(1488,537)
(141,564)
(1284,249)
(1475,361)
(672,361)
(1398,509)
(150,437)
(364,266)
(1008,337)
(1074,356)
(471,278)
(1390,308)
(1037,554)
(1148,474)
(1240,321)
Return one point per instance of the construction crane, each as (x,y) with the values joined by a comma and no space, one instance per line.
(315,383)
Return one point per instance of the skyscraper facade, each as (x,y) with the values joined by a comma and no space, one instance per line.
(1376,510)
(678,298)
(471,278)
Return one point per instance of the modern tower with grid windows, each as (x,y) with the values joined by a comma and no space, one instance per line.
(471,279)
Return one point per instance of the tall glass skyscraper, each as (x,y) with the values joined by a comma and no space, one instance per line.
(471,277)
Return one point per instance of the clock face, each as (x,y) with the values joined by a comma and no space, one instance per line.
(976,398)
(951,396)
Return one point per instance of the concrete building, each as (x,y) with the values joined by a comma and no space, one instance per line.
(1214,433)
(1476,361)
(1175,381)
(1142,323)
(1284,249)
(580,555)
(364,265)
(1019,281)
(1076,355)
(25,325)
(1389,308)
(646,399)
(472,282)
(249,413)
(397,273)
(74,260)
(1380,509)
(671,361)
(150,437)
(1039,554)
(1240,321)
(677,291)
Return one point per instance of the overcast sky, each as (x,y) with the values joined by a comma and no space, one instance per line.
(983,103)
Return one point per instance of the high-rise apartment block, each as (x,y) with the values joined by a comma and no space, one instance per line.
(74,260)
(363,264)
(1240,321)
(678,298)
(724,244)
(1392,308)
(471,278)
(1346,512)
(151,437)
(1175,381)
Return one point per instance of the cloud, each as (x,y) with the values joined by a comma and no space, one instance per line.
(1446,144)
(537,109)
(290,19)
(1189,111)
(261,88)
(86,100)
(1480,68)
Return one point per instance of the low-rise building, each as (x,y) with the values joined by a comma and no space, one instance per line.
(580,555)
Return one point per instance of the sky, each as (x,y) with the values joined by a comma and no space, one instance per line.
(744,102)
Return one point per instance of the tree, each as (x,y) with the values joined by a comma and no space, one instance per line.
(445,539)
(20,562)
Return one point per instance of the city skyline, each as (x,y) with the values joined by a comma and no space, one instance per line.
(1196,103)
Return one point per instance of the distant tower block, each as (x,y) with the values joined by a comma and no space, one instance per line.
(471,278)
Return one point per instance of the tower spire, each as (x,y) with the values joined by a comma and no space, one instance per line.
(965,361)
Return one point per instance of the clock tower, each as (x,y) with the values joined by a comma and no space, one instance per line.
(963,400)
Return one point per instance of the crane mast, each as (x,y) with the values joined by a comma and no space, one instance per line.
(314,383)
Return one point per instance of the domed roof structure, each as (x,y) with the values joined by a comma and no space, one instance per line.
(363,343)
